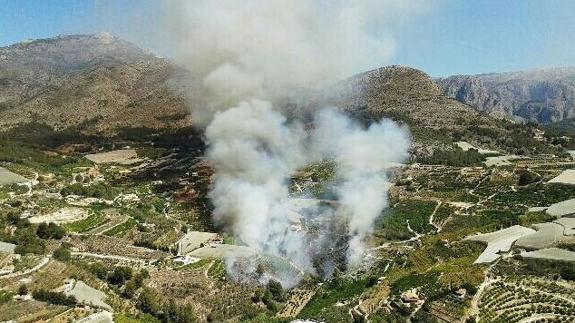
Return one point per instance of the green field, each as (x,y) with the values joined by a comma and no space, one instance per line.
(93,221)
(122,227)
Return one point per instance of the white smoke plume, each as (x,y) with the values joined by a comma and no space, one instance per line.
(362,156)
(247,56)
(259,48)
(253,151)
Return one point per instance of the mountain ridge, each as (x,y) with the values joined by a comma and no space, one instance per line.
(101,85)
(540,95)
(95,79)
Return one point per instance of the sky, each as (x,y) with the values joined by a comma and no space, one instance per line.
(445,38)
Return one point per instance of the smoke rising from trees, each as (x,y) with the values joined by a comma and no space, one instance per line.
(248,56)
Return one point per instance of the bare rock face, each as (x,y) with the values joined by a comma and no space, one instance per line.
(542,96)
(94,82)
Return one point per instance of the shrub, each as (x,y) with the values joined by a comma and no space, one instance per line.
(526,177)
(14,219)
(56,298)
(23,290)
(130,289)
(138,279)
(62,254)
(120,275)
(99,270)
(50,231)
(179,313)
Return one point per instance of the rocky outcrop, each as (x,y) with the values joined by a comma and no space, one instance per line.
(542,96)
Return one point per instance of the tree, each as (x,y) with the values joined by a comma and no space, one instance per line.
(120,275)
(276,290)
(148,301)
(27,241)
(568,273)
(50,231)
(268,300)
(56,298)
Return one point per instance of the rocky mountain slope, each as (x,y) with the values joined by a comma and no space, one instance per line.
(406,94)
(95,82)
(542,96)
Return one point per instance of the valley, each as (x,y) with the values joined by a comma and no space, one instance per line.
(106,216)
(116,214)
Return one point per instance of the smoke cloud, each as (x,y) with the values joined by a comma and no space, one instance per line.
(362,156)
(247,59)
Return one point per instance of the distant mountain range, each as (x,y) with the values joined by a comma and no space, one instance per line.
(102,82)
(542,96)
(101,85)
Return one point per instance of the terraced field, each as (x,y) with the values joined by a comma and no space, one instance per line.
(528,299)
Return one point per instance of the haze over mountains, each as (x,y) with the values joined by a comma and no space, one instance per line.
(542,96)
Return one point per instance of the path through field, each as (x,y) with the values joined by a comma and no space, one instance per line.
(439,202)
(41,264)
(474,306)
(121,258)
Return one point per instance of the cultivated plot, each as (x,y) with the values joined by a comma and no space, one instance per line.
(123,157)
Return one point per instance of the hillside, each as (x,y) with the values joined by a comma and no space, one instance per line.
(542,96)
(95,82)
